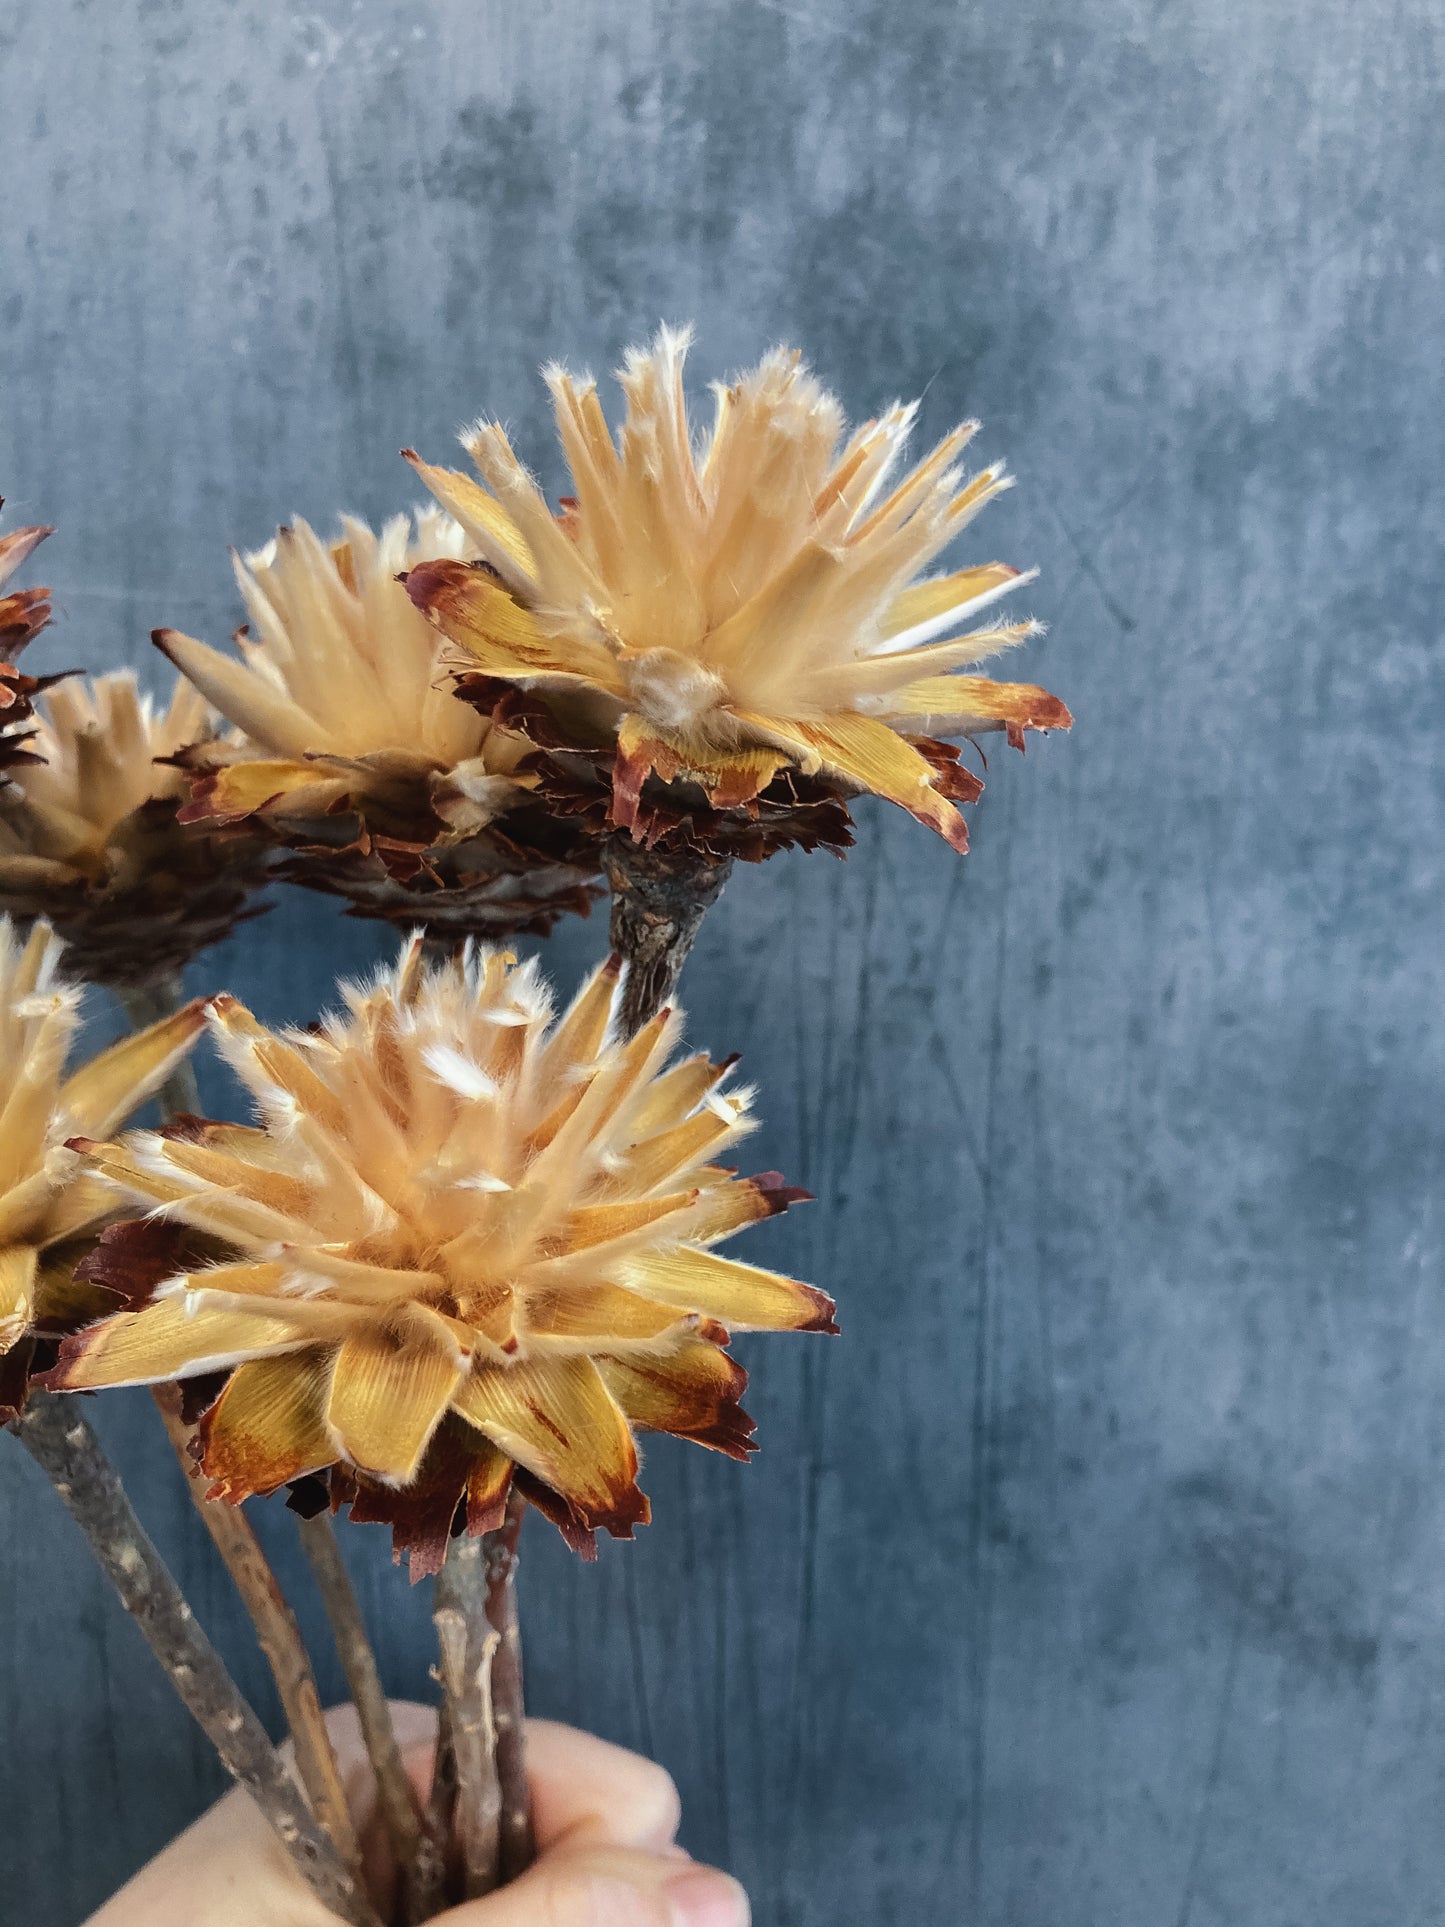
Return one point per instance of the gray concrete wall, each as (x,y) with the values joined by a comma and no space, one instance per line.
(1096,1576)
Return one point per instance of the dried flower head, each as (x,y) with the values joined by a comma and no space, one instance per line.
(731,616)
(465,1243)
(353,753)
(90,841)
(51,1203)
(23,614)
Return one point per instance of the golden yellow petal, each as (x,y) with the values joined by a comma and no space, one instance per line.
(104,1092)
(283,1065)
(870,755)
(506,640)
(677,1093)
(270,718)
(269,1424)
(742,1297)
(946,598)
(602,1316)
(692,1393)
(601,1224)
(557,1418)
(17,1292)
(577,1040)
(81,1205)
(386,1401)
(729,776)
(237,790)
(482,516)
(167,1340)
(732,1203)
(277,1191)
(669,1154)
(967,705)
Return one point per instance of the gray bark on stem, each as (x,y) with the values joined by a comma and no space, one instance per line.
(395,1798)
(466,1644)
(658,904)
(59,1438)
(518,1841)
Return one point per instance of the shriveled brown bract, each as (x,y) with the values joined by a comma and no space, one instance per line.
(465,1243)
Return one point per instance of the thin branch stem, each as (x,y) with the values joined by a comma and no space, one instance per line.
(425,1891)
(658,904)
(518,1845)
(278,1635)
(395,1797)
(234,1536)
(59,1438)
(467,1642)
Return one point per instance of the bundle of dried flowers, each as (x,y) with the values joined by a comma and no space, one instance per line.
(353,756)
(23,614)
(89,837)
(465,1255)
(52,1205)
(464,1245)
(730,634)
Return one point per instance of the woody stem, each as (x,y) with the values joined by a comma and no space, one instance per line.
(395,1798)
(659,899)
(59,1438)
(277,1634)
(233,1535)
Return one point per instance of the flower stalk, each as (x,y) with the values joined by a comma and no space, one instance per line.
(395,1799)
(61,1441)
(277,1634)
(467,1643)
(659,899)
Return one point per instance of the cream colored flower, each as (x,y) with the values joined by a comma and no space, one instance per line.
(89,839)
(339,695)
(727,611)
(51,1202)
(463,1239)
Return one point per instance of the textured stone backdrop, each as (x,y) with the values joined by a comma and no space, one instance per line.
(1096,1576)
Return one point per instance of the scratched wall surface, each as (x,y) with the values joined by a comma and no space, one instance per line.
(1096,1576)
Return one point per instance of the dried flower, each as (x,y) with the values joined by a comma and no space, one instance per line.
(355,757)
(23,614)
(89,837)
(465,1243)
(737,618)
(51,1203)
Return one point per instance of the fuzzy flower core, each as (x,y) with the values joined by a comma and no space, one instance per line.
(733,608)
(464,1242)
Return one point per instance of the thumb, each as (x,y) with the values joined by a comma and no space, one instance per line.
(601,1886)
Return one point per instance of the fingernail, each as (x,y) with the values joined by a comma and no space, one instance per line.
(702,1897)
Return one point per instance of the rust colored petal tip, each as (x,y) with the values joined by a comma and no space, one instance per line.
(435,583)
(826,1321)
(777,1194)
(1037,709)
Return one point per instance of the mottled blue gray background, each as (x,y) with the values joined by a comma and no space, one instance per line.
(1096,1576)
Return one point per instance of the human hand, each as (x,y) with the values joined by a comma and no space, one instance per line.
(605,1820)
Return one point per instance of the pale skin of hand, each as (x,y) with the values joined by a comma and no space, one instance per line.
(606,1830)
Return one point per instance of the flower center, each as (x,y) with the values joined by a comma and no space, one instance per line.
(670,690)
